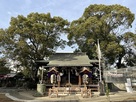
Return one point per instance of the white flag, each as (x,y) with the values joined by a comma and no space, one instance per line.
(99,51)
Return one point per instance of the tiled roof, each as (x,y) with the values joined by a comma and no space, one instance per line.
(69,59)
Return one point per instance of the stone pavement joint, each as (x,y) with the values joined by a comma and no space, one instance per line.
(72,98)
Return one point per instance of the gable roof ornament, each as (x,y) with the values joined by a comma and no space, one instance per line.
(54,69)
(85,69)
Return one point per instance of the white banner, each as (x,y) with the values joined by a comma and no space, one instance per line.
(114,74)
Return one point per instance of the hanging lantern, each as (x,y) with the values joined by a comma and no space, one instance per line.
(53,78)
(76,73)
(85,78)
(58,78)
(95,74)
(61,74)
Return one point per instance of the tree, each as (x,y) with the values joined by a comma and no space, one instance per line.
(103,22)
(31,38)
(3,68)
(129,40)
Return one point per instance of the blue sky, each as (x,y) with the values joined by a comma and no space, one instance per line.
(68,9)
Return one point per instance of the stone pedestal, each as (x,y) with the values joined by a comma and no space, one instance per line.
(101,88)
(41,88)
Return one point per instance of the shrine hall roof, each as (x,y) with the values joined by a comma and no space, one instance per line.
(69,59)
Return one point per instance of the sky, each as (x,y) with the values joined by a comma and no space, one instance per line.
(67,9)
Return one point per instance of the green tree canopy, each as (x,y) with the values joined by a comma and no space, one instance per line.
(129,40)
(3,68)
(106,23)
(31,38)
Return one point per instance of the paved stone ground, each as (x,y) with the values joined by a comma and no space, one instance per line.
(3,98)
(27,96)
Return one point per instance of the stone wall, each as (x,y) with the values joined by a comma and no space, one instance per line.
(116,86)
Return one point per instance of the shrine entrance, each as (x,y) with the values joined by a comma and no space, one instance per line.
(69,76)
(73,79)
(65,75)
